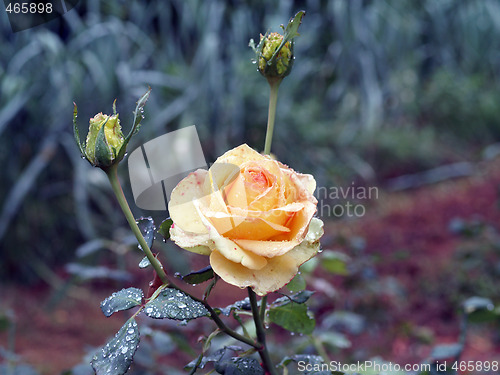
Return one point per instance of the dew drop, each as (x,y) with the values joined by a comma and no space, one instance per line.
(181,305)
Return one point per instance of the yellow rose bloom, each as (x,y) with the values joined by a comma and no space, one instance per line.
(252,215)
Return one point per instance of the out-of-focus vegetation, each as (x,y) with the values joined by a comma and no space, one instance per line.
(379,88)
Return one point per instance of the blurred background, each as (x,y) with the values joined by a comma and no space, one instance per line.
(399,95)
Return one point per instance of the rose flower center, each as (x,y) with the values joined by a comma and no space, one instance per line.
(258,179)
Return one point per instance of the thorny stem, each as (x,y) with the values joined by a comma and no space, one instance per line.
(222,326)
(117,189)
(261,334)
(112,174)
(274,84)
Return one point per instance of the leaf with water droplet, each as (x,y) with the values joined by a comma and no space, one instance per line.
(116,356)
(164,228)
(123,300)
(144,263)
(214,357)
(239,366)
(138,115)
(300,297)
(173,304)
(238,305)
(296,284)
(293,317)
(147,227)
(197,277)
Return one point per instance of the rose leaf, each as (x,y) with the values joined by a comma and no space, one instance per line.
(174,304)
(296,284)
(164,228)
(197,277)
(123,300)
(147,227)
(116,356)
(239,366)
(293,317)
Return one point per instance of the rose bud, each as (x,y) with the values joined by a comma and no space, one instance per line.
(274,53)
(102,151)
(281,65)
(106,144)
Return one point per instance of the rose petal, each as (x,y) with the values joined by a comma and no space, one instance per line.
(181,205)
(307,181)
(241,154)
(235,194)
(236,226)
(196,243)
(298,223)
(231,251)
(268,249)
(280,216)
(276,274)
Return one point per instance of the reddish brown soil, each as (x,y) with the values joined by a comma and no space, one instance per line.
(416,221)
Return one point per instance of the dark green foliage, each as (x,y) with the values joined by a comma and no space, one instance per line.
(123,300)
(239,366)
(174,304)
(293,317)
(115,357)
(197,277)
(164,228)
(147,227)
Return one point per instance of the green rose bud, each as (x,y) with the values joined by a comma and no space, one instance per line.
(283,58)
(103,151)
(106,144)
(275,51)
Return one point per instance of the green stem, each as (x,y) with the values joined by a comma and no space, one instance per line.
(117,189)
(274,84)
(261,334)
(112,173)
(222,326)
